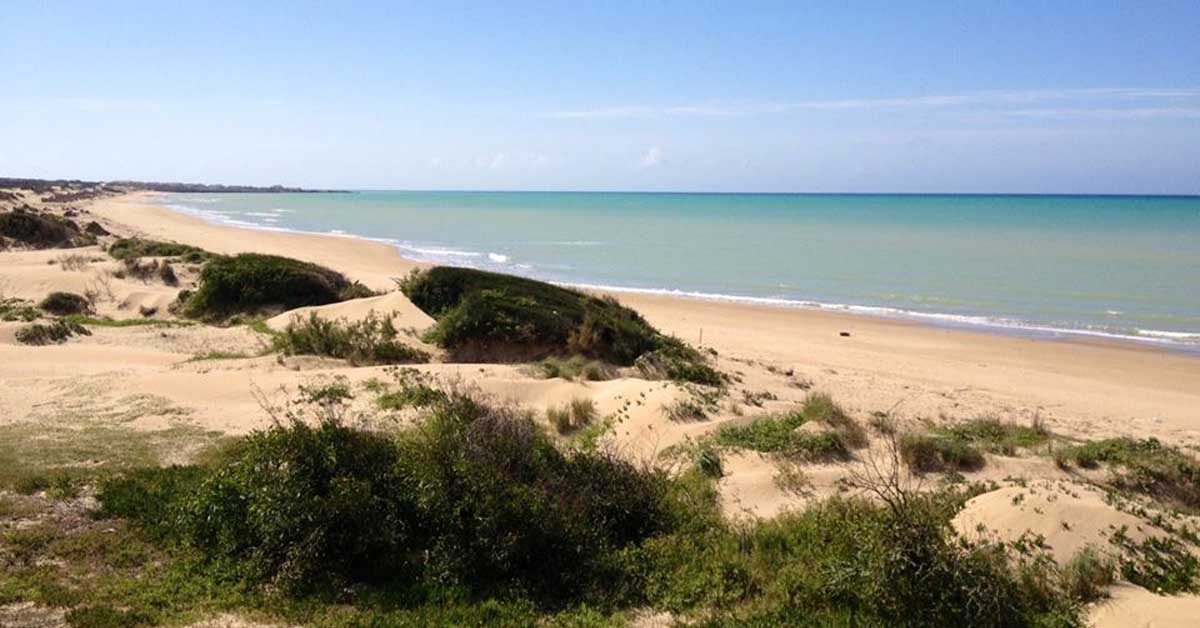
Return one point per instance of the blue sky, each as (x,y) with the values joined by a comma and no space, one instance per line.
(1070,97)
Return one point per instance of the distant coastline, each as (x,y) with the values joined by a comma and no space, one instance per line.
(154,186)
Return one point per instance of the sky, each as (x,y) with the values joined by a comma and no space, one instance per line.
(972,96)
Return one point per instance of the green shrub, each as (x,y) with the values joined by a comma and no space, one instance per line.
(64,303)
(42,231)
(126,248)
(251,283)
(1144,466)
(370,340)
(925,453)
(50,333)
(821,408)
(483,314)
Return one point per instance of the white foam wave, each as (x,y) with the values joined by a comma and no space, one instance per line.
(498,258)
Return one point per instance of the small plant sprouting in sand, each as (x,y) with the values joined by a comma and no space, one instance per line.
(73,261)
(573,416)
(685,409)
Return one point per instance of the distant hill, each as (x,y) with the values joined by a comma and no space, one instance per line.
(46,185)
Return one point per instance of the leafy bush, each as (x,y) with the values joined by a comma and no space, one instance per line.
(1088,574)
(483,314)
(925,453)
(370,340)
(42,231)
(1145,466)
(126,248)
(477,497)
(64,303)
(252,283)
(50,333)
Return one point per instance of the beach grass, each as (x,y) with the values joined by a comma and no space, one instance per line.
(373,339)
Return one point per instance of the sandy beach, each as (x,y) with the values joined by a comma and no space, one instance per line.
(151,378)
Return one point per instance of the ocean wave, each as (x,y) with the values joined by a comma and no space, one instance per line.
(1190,341)
(439,252)
(498,258)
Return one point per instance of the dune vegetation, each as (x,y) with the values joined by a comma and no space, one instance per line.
(485,315)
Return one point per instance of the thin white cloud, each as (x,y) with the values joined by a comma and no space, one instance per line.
(652,158)
(996,99)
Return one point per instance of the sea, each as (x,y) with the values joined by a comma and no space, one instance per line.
(1120,267)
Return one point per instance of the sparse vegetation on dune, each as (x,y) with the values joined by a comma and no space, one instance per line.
(42,231)
(572,368)
(1141,466)
(838,434)
(370,340)
(250,284)
(484,314)
(473,514)
(927,453)
(18,310)
(55,332)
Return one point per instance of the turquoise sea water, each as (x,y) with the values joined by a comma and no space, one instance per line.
(1041,265)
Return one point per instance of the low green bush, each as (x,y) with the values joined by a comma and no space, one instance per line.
(126,248)
(65,303)
(56,332)
(251,283)
(370,340)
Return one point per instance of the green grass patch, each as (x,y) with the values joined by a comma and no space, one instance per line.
(124,322)
(995,436)
(373,339)
(410,388)
(132,248)
(571,417)
(781,434)
(35,457)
